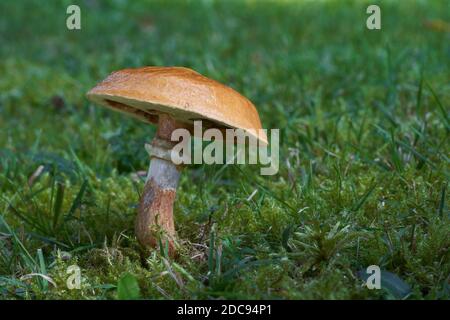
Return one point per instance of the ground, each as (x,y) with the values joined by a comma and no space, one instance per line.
(364,128)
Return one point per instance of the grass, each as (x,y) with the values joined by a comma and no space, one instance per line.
(364,151)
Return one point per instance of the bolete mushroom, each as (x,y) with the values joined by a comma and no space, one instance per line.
(172,98)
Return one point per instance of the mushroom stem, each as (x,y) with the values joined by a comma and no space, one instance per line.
(155,221)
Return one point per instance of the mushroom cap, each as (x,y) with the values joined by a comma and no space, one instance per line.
(184,94)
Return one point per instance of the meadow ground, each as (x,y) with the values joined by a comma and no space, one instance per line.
(364,151)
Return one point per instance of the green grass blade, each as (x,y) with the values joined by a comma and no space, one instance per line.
(57,207)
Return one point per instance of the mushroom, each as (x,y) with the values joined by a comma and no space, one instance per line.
(172,98)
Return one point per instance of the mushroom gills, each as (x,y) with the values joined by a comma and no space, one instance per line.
(140,114)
